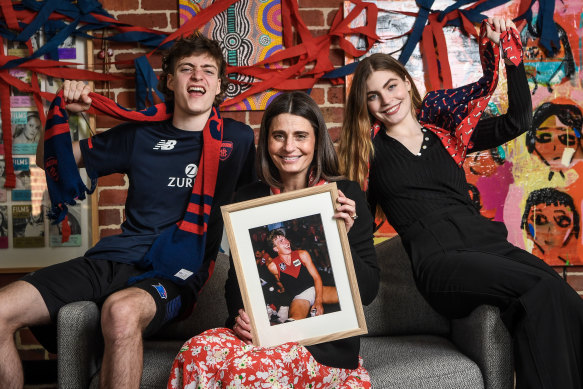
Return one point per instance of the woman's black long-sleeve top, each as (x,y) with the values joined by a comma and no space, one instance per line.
(341,353)
(409,186)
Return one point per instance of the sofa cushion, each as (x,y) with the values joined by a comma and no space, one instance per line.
(418,361)
(399,308)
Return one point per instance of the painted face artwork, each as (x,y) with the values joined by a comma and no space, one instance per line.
(551,228)
(484,163)
(556,143)
(291,145)
(544,68)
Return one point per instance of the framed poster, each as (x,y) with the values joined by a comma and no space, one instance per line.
(28,239)
(282,283)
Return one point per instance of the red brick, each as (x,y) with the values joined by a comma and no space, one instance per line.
(255,118)
(236,115)
(108,232)
(120,5)
(151,5)
(575,280)
(337,57)
(126,99)
(320,3)
(335,94)
(112,197)
(330,16)
(149,20)
(318,95)
(112,180)
(312,17)
(108,217)
(126,60)
(125,83)
(174,20)
(104,121)
(333,115)
(334,133)
(316,32)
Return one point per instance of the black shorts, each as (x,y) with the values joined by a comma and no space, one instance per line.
(85,279)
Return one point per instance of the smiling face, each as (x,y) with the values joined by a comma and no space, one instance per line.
(195,83)
(388,97)
(291,144)
(552,139)
(32,128)
(281,245)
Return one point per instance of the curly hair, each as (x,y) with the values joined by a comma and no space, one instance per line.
(196,43)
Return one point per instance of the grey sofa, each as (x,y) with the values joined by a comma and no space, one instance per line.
(409,345)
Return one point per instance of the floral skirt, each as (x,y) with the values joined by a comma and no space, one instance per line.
(217,358)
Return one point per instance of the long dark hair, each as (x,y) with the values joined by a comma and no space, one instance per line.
(325,162)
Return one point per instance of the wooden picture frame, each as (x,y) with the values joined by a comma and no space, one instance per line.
(247,223)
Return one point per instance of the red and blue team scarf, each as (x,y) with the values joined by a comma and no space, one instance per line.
(452,114)
(179,250)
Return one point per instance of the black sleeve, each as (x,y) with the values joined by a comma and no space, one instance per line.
(109,151)
(495,131)
(361,242)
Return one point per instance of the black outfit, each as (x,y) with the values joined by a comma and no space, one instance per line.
(341,353)
(461,260)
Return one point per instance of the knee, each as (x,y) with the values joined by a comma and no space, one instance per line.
(120,318)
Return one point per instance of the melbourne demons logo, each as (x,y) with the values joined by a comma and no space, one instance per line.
(226,149)
(52,168)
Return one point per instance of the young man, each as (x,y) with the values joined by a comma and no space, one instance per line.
(161,160)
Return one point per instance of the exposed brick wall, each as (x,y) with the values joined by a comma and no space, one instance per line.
(154,14)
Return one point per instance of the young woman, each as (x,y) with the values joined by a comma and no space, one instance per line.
(460,259)
(294,151)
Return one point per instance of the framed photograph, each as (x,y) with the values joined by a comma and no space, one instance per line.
(290,253)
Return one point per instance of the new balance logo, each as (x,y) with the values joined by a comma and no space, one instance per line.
(165,145)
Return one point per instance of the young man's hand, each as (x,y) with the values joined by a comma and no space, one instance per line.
(76,95)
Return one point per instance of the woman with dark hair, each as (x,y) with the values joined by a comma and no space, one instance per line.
(550,219)
(555,134)
(294,151)
(460,259)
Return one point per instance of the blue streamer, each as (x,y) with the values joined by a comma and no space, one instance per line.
(146,83)
(418,26)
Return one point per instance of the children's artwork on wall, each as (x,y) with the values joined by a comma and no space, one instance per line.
(532,184)
(248,31)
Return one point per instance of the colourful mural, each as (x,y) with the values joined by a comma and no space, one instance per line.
(533,184)
(249,31)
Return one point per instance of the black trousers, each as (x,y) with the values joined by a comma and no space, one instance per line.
(462,260)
